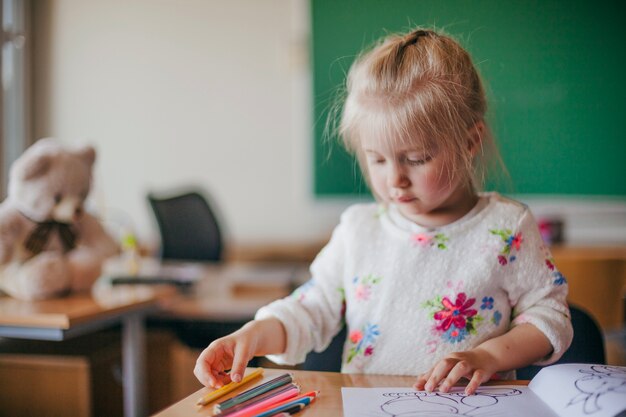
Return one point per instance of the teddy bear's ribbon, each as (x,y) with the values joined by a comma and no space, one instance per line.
(39,237)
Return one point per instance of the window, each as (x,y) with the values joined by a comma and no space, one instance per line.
(14,120)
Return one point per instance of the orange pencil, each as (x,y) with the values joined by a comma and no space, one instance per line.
(214,395)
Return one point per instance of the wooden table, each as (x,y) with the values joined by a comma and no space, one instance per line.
(83,313)
(329,403)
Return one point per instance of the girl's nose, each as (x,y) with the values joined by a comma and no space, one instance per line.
(397,178)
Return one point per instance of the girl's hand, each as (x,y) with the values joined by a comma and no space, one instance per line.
(232,352)
(236,350)
(477,365)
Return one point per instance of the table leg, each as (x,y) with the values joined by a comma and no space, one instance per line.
(133,365)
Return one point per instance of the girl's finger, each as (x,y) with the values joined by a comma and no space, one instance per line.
(421,380)
(458,371)
(240,361)
(211,364)
(202,371)
(439,373)
(202,375)
(478,378)
(221,378)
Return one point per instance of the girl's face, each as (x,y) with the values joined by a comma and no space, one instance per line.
(421,185)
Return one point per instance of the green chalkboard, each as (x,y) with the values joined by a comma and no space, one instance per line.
(554,70)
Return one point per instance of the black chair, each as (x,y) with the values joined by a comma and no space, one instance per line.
(587,347)
(330,359)
(188,227)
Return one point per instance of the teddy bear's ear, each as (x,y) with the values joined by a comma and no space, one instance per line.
(35,166)
(87,154)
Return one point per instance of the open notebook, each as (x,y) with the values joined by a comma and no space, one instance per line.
(566,390)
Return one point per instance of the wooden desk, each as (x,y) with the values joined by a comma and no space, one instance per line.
(329,403)
(215,296)
(597,280)
(78,314)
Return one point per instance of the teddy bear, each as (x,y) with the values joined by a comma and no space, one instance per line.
(49,244)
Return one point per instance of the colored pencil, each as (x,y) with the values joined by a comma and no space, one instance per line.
(218,393)
(265,404)
(275,407)
(253,392)
(257,399)
(293,410)
(304,399)
(278,395)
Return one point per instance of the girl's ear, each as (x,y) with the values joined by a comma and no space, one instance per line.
(475,137)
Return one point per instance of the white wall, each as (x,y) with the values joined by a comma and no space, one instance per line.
(209,92)
(175,92)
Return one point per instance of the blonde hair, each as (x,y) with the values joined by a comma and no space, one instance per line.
(419,88)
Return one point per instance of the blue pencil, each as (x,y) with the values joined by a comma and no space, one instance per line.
(293,410)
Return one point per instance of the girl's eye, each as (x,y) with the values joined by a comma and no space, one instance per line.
(57,198)
(417,160)
(376,161)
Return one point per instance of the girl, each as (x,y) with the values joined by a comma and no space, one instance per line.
(439,281)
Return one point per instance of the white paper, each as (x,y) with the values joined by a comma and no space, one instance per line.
(492,401)
(577,390)
(568,390)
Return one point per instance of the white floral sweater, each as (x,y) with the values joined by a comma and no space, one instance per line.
(411,295)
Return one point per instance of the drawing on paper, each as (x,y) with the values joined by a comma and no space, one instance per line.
(421,403)
(596,382)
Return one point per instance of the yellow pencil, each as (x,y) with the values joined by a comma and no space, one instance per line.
(214,395)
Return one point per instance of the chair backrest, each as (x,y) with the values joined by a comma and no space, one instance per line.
(587,347)
(189,230)
(330,359)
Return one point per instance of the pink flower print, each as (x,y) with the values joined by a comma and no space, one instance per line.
(502,260)
(454,322)
(455,313)
(363,341)
(455,286)
(421,239)
(356,336)
(364,286)
(362,292)
(437,240)
(550,264)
